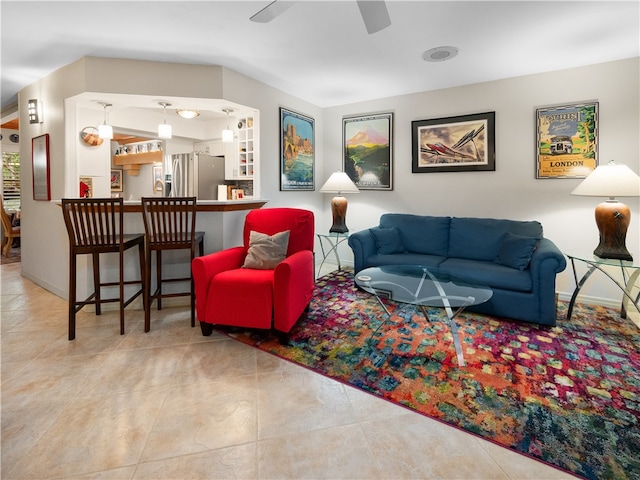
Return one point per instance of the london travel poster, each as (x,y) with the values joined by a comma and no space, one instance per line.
(567,140)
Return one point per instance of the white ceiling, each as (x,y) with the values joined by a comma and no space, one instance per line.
(320,50)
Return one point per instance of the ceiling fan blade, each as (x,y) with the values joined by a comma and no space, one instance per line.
(271,11)
(375,15)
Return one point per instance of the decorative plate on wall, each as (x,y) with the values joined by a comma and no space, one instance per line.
(89,135)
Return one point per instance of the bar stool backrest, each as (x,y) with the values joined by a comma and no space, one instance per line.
(94,223)
(169,222)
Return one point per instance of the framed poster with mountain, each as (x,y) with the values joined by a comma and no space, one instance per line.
(368,150)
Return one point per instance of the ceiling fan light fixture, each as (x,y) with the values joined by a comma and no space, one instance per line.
(188,114)
(439,54)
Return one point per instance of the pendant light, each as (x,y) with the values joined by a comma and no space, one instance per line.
(164,129)
(227,134)
(105,131)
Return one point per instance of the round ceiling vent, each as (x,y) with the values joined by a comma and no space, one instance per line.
(439,54)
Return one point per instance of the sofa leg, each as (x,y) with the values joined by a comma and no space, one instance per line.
(207,329)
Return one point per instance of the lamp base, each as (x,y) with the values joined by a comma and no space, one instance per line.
(339,213)
(613,218)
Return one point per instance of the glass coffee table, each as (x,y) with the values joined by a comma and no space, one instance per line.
(417,285)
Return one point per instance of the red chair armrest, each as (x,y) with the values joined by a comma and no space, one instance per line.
(208,266)
(293,288)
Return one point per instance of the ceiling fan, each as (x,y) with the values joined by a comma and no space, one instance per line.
(374,13)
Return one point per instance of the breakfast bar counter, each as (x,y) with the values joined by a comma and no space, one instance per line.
(207,205)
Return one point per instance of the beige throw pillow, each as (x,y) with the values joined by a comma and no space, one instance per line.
(266,251)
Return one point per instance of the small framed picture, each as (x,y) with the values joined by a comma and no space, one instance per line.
(116,180)
(158,182)
(86,187)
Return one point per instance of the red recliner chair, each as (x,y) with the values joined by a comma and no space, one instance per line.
(229,294)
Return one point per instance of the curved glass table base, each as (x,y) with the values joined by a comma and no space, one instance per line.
(596,263)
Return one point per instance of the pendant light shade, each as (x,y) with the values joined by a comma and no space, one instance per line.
(227,133)
(105,131)
(164,129)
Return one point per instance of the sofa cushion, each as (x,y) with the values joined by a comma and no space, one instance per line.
(430,261)
(516,250)
(420,233)
(481,238)
(388,240)
(488,274)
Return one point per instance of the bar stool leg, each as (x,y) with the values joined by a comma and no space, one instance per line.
(143,275)
(121,287)
(72,296)
(159,278)
(147,291)
(96,281)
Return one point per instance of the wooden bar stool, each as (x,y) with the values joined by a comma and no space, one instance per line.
(9,232)
(169,224)
(95,226)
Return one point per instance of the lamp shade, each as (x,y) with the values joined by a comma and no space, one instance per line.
(105,131)
(610,180)
(164,130)
(227,136)
(339,182)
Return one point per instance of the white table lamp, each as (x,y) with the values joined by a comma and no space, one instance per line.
(612,216)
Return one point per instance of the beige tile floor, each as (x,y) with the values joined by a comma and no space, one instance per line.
(174,404)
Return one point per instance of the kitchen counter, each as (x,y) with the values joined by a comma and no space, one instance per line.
(202,205)
(207,205)
(222,221)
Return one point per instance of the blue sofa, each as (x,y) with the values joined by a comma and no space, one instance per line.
(509,256)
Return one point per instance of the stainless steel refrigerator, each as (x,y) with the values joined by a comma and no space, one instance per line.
(196,174)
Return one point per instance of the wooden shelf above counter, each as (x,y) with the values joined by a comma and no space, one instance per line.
(131,162)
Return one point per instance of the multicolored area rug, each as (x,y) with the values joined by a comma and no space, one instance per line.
(567,395)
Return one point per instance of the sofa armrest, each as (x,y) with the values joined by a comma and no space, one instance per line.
(206,267)
(363,245)
(548,256)
(546,262)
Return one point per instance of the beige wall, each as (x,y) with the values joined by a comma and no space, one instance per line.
(512,191)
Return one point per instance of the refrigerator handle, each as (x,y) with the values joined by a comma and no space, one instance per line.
(177,178)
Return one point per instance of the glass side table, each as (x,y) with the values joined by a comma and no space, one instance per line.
(630,273)
(329,243)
